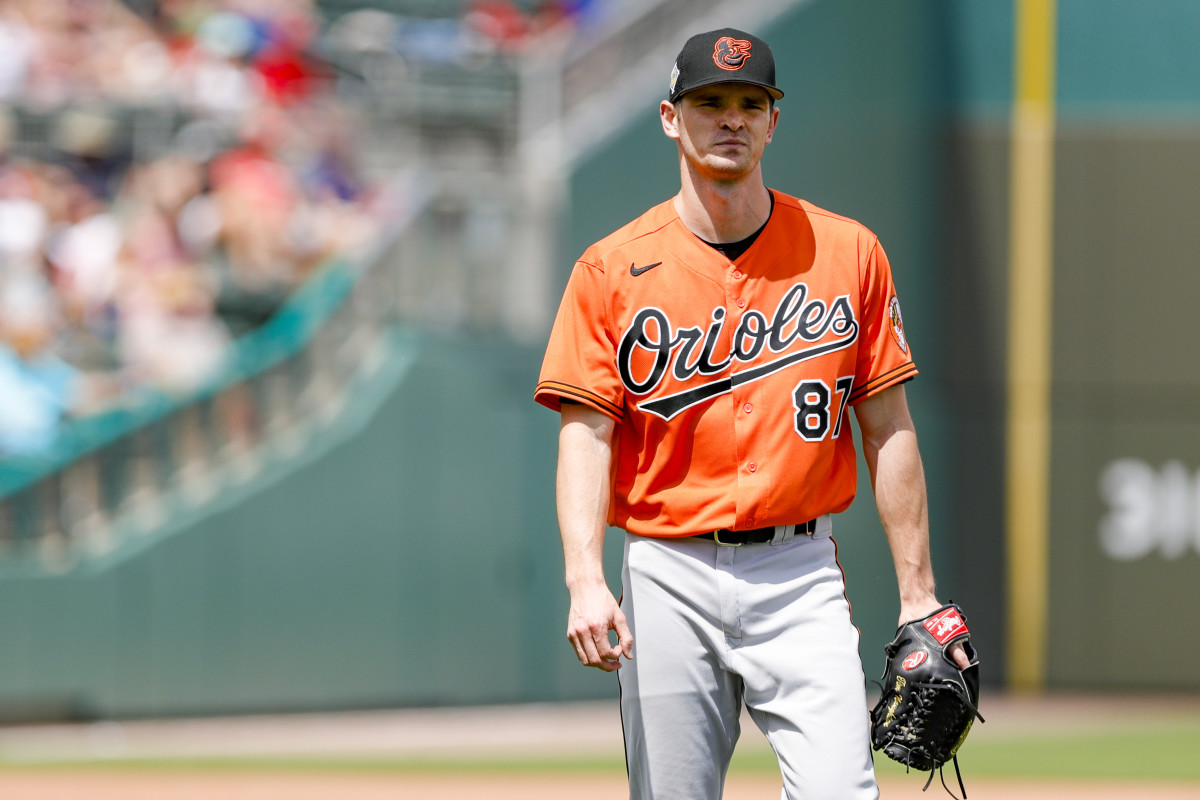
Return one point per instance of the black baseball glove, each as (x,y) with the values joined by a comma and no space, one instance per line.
(928,704)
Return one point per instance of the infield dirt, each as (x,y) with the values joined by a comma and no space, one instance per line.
(108,785)
(136,760)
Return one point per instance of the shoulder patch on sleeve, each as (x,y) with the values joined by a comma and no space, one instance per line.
(897,324)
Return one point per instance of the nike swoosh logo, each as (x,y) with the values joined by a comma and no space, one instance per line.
(635,271)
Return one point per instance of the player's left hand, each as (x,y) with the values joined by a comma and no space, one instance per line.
(918,611)
(927,704)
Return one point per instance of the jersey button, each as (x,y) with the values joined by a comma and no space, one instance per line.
(752,467)
(737,274)
(748,408)
(741,303)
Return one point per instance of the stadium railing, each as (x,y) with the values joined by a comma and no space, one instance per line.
(62,505)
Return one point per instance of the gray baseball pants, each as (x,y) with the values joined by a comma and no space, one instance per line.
(714,627)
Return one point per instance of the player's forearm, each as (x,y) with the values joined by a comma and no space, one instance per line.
(898,479)
(583,492)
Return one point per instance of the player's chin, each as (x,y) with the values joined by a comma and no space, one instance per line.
(731,169)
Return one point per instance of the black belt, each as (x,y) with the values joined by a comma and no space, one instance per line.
(730,538)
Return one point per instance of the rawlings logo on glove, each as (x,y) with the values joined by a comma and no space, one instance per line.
(928,704)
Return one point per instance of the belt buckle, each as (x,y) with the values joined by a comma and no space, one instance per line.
(717,539)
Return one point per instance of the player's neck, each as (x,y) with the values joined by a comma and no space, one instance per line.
(723,212)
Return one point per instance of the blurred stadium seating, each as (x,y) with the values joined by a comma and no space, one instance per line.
(228,200)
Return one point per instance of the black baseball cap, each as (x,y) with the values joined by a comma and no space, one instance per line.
(721,56)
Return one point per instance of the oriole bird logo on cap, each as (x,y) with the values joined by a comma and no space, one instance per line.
(730,53)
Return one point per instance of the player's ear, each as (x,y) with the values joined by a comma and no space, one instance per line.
(669,116)
(774,121)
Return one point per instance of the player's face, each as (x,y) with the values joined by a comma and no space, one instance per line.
(722,129)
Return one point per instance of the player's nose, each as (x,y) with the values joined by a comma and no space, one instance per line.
(732,120)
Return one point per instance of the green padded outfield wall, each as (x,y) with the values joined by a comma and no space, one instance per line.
(897,114)
(1125,523)
(409,558)
(1124,527)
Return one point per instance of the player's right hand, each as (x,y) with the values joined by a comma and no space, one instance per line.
(594,612)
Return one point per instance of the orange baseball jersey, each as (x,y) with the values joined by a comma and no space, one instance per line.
(730,381)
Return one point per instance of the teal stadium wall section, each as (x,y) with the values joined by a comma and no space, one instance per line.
(1125,547)
(1125,388)
(897,114)
(414,562)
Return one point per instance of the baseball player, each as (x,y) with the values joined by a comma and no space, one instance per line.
(704,360)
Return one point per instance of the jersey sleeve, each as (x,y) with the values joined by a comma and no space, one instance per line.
(884,355)
(581,360)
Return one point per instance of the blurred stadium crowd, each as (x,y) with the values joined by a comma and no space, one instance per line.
(122,270)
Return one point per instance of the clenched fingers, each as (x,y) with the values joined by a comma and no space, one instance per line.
(592,642)
(593,647)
